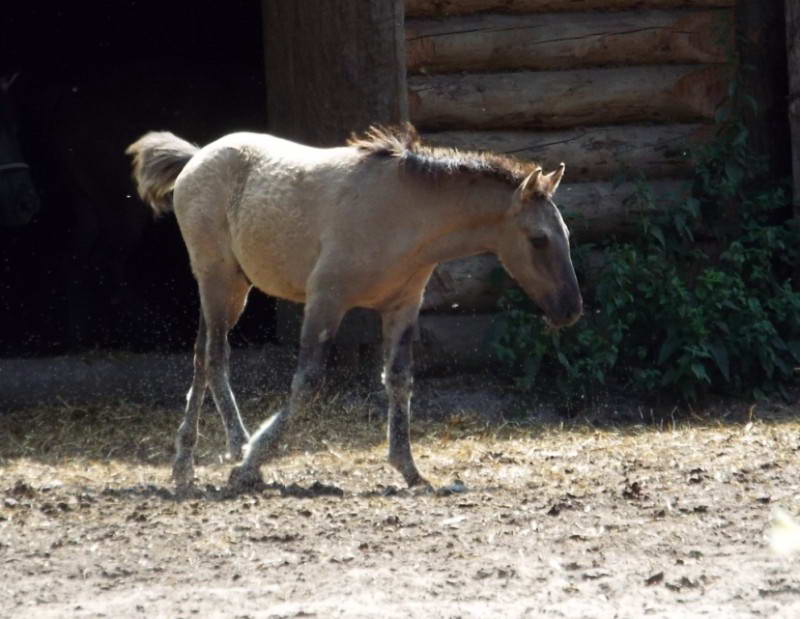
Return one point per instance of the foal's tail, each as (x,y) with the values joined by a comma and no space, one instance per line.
(158,158)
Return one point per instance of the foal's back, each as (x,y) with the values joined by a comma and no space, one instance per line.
(266,205)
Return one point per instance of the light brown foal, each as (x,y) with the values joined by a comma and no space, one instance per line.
(362,225)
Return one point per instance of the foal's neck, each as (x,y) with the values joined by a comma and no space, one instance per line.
(464,218)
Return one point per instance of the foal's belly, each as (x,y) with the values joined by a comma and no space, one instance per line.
(269,274)
(272,266)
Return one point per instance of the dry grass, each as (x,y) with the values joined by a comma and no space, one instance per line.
(136,442)
(616,513)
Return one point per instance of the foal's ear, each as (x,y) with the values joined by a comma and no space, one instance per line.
(553,180)
(531,185)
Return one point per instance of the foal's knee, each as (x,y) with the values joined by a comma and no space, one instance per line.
(398,377)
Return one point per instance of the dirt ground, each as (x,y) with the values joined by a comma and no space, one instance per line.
(616,513)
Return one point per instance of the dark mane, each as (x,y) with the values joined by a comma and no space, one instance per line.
(403,142)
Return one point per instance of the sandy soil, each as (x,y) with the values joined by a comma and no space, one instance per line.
(611,515)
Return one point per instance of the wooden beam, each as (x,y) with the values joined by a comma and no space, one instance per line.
(438,8)
(559,99)
(333,67)
(596,153)
(490,42)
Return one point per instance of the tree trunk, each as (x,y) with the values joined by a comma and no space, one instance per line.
(560,99)
(491,42)
(333,67)
(596,153)
(438,8)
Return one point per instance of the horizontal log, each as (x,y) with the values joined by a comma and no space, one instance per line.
(463,285)
(550,42)
(560,99)
(438,8)
(596,153)
(596,211)
(454,341)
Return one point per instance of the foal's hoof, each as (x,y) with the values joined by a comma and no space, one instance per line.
(183,473)
(417,482)
(236,449)
(243,479)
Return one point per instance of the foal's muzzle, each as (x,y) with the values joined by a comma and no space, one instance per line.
(565,312)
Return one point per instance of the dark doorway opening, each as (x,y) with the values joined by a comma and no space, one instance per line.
(94,269)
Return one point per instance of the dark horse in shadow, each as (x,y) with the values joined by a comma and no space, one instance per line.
(19,200)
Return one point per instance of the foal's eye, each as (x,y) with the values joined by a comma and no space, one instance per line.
(539,242)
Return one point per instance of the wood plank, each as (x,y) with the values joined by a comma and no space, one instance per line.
(560,99)
(596,153)
(491,42)
(333,67)
(438,8)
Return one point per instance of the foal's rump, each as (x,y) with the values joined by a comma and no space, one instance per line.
(248,201)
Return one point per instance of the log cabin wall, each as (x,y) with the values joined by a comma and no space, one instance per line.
(602,85)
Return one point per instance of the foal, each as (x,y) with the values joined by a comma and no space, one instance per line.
(362,225)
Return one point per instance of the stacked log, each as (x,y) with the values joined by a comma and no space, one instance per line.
(551,42)
(606,86)
(441,8)
(593,153)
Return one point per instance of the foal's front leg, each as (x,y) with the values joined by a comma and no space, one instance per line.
(319,328)
(398,339)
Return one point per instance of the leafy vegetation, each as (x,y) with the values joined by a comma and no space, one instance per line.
(699,300)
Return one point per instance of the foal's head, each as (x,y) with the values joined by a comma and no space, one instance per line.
(533,243)
(534,248)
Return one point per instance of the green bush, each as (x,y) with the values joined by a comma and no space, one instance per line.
(700,300)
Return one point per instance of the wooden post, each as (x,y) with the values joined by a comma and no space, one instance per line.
(333,67)
(762,55)
(793,56)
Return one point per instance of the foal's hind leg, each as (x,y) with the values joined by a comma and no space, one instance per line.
(185,442)
(223,296)
(398,336)
(320,322)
